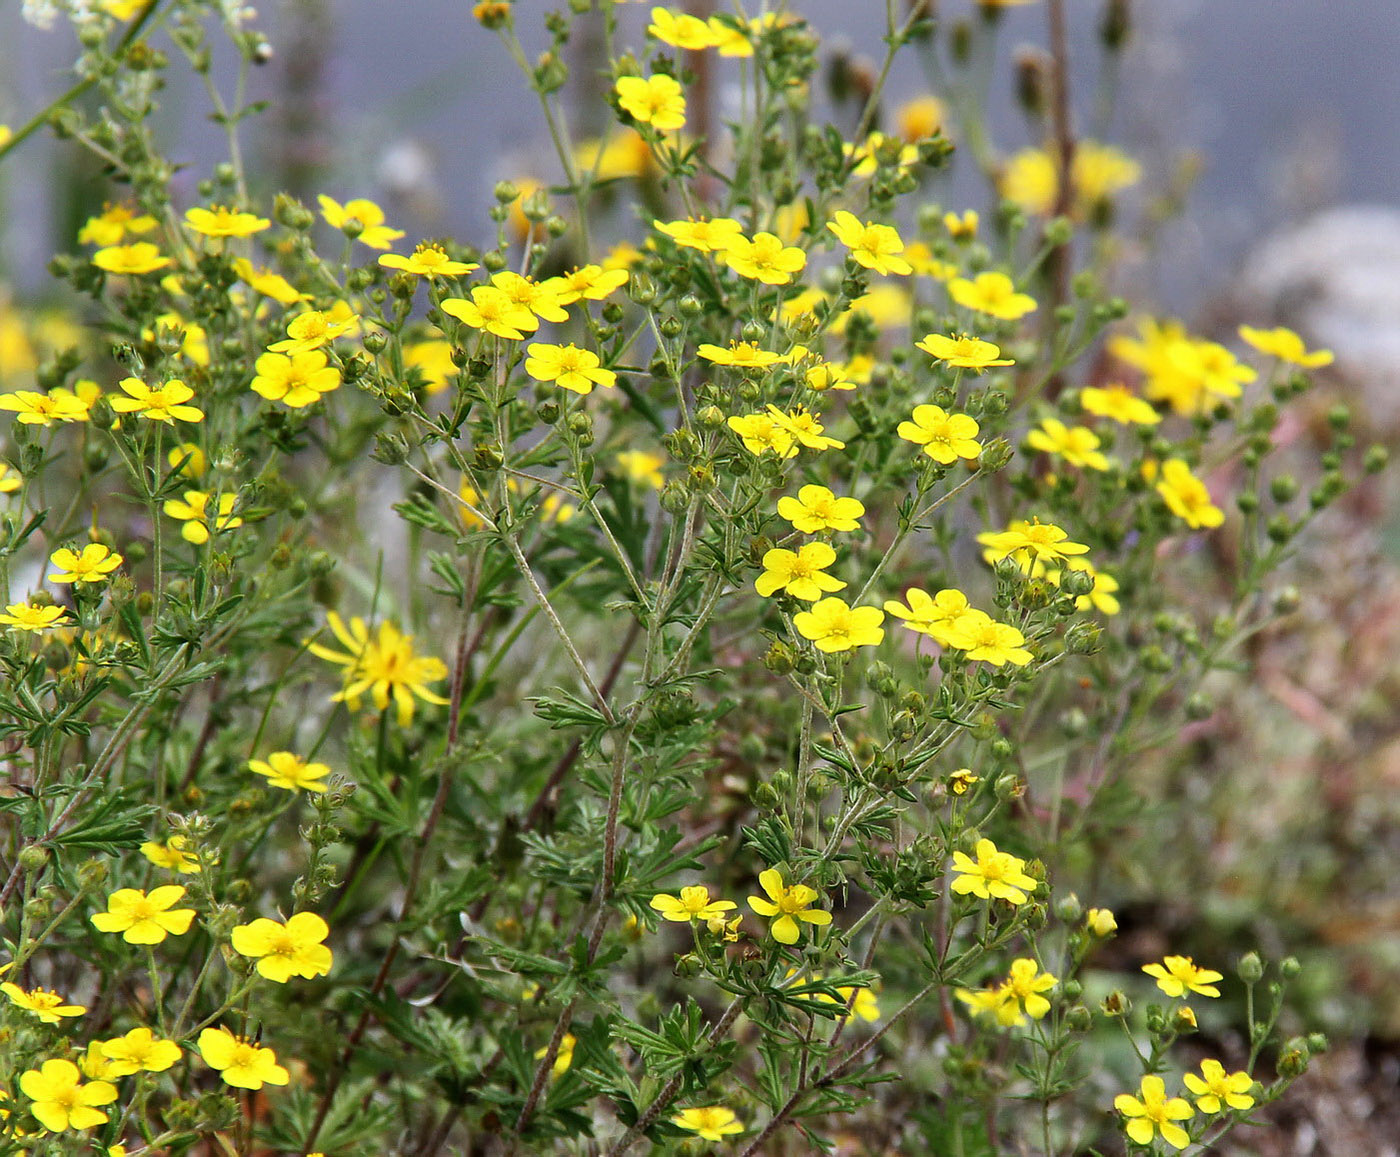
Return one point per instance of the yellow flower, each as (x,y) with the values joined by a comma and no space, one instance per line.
(961,226)
(568,366)
(993,875)
(680,30)
(944,437)
(920,118)
(1017,997)
(939,616)
(982,637)
(61,1101)
(297,380)
(313,329)
(640,466)
(1154,1113)
(144,918)
(93,565)
(1178,975)
(563,1058)
(993,294)
(877,247)
(1100,922)
(94,1063)
(789,904)
(831,376)
(194,512)
(33,408)
(360,219)
(834,626)
(383,666)
(966,352)
(32,616)
(1098,171)
(267,283)
(285,950)
(1215,1089)
(1078,445)
(433,359)
(624,154)
(760,433)
(428,260)
(742,355)
(799,572)
(114,223)
(806,428)
(10,479)
(693,904)
(44,1003)
(285,770)
(816,509)
(172,856)
(764,258)
(1186,496)
(709,1122)
(1029,179)
(1118,403)
(708,236)
(141,257)
(220,221)
(492,310)
(591,282)
(962,780)
(241,1063)
(1287,346)
(188,459)
(139,1051)
(653,100)
(1029,544)
(163,404)
(540,297)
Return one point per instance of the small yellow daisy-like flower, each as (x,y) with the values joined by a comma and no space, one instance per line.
(1030,180)
(32,616)
(694,903)
(786,906)
(653,100)
(313,329)
(874,246)
(94,565)
(1100,922)
(33,408)
(1119,404)
(961,781)
(961,226)
(197,517)
(172,856)
(964,352)
(993,875)
(801,572)
(567,366)
(939,616)
(290,772)
(60,1100)
(1100,170)
(708,236)
(188,459)
(285,950)
(982,638)
(296,380)
(239,1061)
(816,509)
(563,1059)
(130,260)
(641,466)
(540,297)
(764,258)
(1152,1112)
(1178,975)
(428,260)
(1030,544)
(805,427)
(991,293)
(709,1122)
(165,404)
(1287,346)
(834,626)
(1077,445)
(10,479)
(944,437)
(1186,496)
(384,666)
(589,282)
(760,433)
(360,219)
(145,918)
(221,221)
(680,30)
(44,1003)
(742,355)
(139,1051)
(920,118)
(113,223)
(492,310)
(1021,995)
(1216,1090)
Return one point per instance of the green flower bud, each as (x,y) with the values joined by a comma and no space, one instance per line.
(1250,968)
(1079,1019)
(1289,967)
(1376,459)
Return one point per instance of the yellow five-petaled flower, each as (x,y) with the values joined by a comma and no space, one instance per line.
(694,903)
(993,875)
(1152,1112)
(285,950)
(145,918)
(787,904)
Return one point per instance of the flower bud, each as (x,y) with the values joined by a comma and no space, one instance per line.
(1116,1003)
(1289,967)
